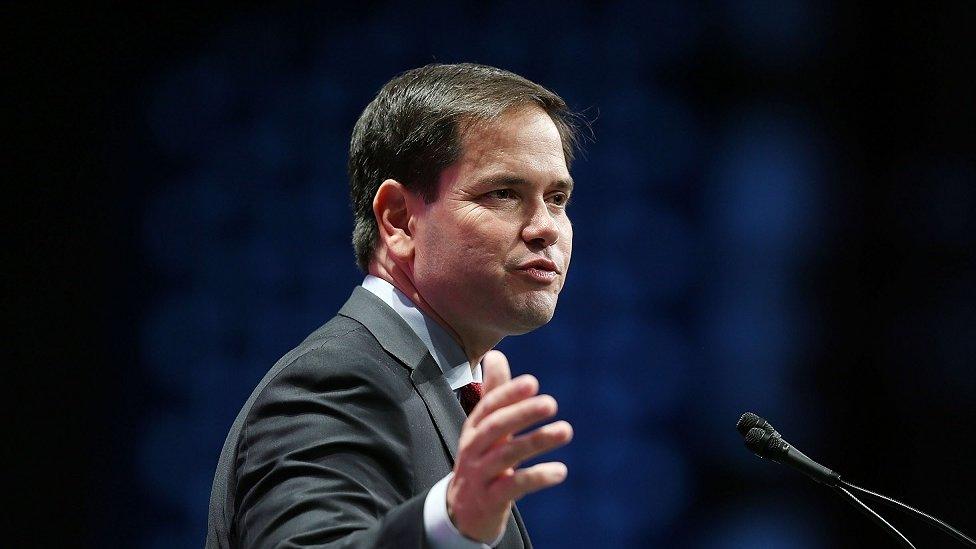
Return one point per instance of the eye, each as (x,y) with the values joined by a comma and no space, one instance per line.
(501,194)
(559,199)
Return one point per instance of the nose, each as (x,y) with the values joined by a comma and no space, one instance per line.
(540,231)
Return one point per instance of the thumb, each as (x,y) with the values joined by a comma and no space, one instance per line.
(495,370)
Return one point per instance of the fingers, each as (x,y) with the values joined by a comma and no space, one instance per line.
(531,479)
(520,388)
(524,447)
(495,370)
(486,480)
(509,420)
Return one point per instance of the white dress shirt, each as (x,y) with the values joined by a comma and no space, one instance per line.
(441,532)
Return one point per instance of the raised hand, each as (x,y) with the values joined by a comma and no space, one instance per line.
(486,476)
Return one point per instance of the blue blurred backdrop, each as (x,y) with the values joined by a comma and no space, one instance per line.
(772,216)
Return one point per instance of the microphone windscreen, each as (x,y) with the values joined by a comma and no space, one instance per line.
(756,441)
(748,421)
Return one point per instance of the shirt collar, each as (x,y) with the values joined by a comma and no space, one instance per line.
(446,352)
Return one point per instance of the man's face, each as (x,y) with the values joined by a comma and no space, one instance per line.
(493,249)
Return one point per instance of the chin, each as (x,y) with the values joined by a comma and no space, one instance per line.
(532,315)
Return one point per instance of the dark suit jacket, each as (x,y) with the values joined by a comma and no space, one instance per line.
(341,441)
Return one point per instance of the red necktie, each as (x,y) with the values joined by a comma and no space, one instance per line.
(469,395)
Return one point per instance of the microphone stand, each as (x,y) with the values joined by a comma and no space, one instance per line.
(878,519)
(909,510)
(763,440)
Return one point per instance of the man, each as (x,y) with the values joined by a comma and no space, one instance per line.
(359,436)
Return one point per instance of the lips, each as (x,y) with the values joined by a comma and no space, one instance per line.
(541,264)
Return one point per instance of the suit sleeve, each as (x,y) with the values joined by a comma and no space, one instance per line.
(323,459)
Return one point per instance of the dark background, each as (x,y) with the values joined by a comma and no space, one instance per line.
(776,214)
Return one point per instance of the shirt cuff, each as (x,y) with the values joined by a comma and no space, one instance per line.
(441,532)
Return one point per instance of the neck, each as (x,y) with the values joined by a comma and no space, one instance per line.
(474,347)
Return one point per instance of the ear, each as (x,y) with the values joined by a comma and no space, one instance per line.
(394,220)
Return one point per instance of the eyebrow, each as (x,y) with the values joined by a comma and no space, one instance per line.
(565,185)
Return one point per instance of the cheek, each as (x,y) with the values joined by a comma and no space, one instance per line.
(473,245)
(482,236)
(462,239)
(480,248)
(565,243)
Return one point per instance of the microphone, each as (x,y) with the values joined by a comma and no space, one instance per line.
(763,440)
(767,445)
(750,420)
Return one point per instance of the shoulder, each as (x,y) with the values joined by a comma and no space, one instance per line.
(341,360)
(325,389)
(340,355)
(338,377)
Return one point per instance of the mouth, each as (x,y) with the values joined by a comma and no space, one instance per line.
(541,264)
(542,271)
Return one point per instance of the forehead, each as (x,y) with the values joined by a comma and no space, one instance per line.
(523,140)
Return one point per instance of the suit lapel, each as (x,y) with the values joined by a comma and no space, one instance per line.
(516,519)
(391,331)
(396,337)
(441,403)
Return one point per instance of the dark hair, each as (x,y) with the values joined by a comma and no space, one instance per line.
(413,129)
